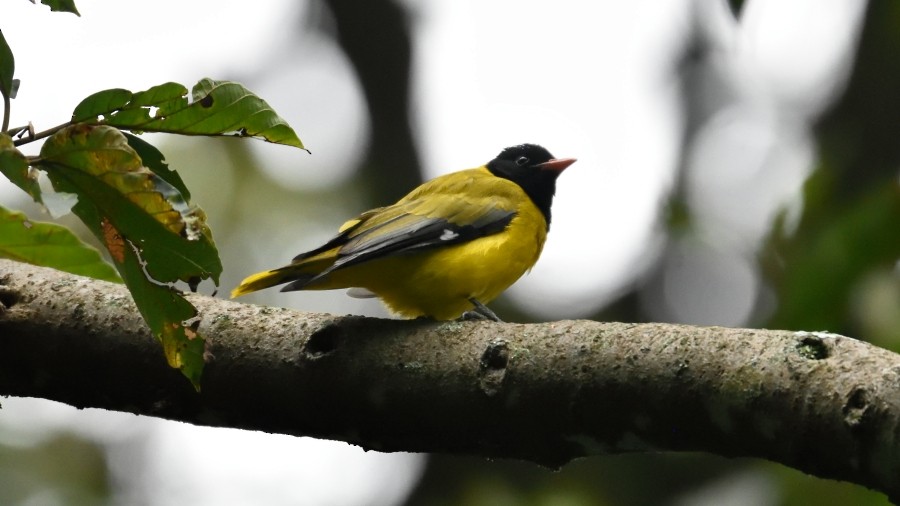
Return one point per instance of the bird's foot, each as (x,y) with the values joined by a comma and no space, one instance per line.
(472,316)
(480,312)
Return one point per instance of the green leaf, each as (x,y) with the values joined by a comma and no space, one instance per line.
(61,6)
(156,162)
(14,166)
(50,245)
(101,103)
(171,318)
(154,235)
(214,108)
(7,68)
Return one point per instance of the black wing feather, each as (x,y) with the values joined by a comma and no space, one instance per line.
(421,233)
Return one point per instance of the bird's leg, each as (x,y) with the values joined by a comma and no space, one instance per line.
(481,312)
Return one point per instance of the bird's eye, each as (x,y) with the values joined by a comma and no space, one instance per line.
(522,160)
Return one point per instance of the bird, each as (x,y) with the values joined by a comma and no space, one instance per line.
(446,249)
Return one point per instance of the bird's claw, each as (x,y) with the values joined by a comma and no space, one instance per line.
(480,312)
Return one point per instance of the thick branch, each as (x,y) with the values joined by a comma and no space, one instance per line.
(825,404)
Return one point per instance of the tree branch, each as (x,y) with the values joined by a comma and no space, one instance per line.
(822,403)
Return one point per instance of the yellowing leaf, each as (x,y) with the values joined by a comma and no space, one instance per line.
(153,233)
(99,165)
(113,240)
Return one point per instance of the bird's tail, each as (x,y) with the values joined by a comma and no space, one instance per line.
(267,279)
(305,272)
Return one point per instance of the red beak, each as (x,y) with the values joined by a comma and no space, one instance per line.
(556,164)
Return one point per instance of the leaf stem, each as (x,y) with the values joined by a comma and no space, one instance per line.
(40,135)
(6,106)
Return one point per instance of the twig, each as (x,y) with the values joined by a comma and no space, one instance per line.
(6,106)
(40,135)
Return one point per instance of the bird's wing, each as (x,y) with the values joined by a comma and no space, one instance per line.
(338,240)
(443,217)
(412,230)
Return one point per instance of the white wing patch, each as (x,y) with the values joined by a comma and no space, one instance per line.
(448,235)
(360,293)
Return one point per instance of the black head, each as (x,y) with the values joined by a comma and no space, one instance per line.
(534,169)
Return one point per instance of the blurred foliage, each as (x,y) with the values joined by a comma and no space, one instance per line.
(850,226)
(818,269)
(629,479)
(796,488)
(62,470)
(612,480)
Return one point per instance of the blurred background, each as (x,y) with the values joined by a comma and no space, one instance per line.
(738,165)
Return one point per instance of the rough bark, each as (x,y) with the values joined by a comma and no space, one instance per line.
(822,403)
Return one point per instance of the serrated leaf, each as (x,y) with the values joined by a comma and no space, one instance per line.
(14,166)
(152,232)
(7,68)
(61,6)
(50,245)
(215,108)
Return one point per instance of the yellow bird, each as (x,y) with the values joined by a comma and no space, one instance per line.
(450,246)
